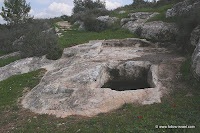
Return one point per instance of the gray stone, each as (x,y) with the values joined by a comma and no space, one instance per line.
(73,85)
(195,36)
(23,66)
(159,31)
(81,27)
(136,20)
(78,22)
(196,61)
(107,20)
(122,12)
(181,8)
(15,54)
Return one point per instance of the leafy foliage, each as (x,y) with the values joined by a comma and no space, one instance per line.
(16,11)
(83,5)
(87,11)
(39,40)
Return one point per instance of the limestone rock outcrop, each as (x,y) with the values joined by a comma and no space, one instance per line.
(73,85)
(122,12)
(23,66)
(195,36)
(196,61)
(136,20)
(159,31)
(181,8)
(14,54)
(107,20)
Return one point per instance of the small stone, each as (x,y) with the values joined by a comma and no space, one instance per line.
(189,95)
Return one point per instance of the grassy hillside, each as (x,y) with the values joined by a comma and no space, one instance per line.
(179,109)
(7,61)
(161,17)
(74,37)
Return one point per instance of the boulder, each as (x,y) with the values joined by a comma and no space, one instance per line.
(196,62)
(82,26)
(74,84)
(182,8)
(81,23)
(122,12)
(195,36)
(159,31)
(78,22)
(136,20)
(108,20)
(14,54)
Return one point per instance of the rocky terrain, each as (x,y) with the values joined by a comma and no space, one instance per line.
(73,85)
(83,81)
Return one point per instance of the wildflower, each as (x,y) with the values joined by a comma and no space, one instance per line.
(173,105)
(140,117)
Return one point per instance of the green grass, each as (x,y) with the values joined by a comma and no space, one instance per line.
(75,26)
(123,120)
(159,10)
(1,54)
(4,62)
(160,17)
(187,74)
(73,37)
(11,88)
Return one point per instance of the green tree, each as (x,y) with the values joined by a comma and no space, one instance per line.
(16,11)
(83,5)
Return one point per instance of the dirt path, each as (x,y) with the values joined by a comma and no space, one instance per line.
(64,25)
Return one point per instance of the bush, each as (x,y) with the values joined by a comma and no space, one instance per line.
(6,38)
(65,18)
(87,11)
(84,5)
(92,24)
(55,53)
(39,40)
(81,16)
(35,38)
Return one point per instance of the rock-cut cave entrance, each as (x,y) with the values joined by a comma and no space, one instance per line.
(121,81)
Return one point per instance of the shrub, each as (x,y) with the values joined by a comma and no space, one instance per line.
(65,17)
(6,38)
(92,24)
(39,40)
(84,5)
(81,16)
(87,11)
(55,53)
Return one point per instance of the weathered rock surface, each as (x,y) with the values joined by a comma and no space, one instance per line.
(81,23)
(15,54)
(73,84)
(122,12)
(63,26)
(195,36)
(181,8)
(196,61)
(136,20)
(107,20)
(81,27)
(23,66)
(159,31)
